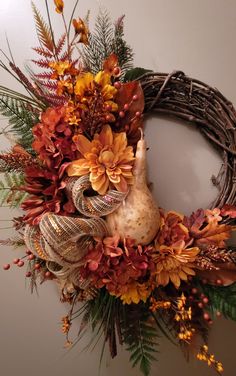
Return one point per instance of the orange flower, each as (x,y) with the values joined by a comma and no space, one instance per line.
(174,263)
(107,160)
(59,6)
(135,293)
(60,67)
(81,28)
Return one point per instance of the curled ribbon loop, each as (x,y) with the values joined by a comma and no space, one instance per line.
(95,206)
(64,240)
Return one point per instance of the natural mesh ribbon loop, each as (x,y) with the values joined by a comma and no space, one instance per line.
(64,240)
(95,206)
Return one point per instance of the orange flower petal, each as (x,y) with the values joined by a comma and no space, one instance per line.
(101,184)
(78,168)
(106,157)
(120,142)
(106,136)
(83,144)
(122,186)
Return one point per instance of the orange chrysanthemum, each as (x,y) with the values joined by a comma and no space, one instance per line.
(107,159)
(174,263)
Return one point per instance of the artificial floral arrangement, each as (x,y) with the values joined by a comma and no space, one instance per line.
(78,170)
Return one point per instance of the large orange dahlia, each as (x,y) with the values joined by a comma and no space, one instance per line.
(107,159)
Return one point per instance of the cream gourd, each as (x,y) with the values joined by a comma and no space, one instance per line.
(138,216)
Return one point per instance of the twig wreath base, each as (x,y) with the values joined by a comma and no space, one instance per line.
(191,100)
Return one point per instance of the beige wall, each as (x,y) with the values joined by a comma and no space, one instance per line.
(198,37)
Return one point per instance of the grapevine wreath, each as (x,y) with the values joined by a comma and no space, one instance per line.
(78,170)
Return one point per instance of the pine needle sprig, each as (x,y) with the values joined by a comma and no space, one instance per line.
(15,242)
(100,42)
(121,48)
(21,118)
(105,40)
(10,192)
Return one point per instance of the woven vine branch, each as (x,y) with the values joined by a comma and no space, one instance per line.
(191,100)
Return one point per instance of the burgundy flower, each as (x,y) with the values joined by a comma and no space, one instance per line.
(47,194)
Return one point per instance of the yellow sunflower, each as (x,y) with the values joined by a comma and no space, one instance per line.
(107,159)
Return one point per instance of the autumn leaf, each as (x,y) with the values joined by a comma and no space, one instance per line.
(110,63)
(213,233)
(226,273)
(195,221)
(130,94)
(228,210)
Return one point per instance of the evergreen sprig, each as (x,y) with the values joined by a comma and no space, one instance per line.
(21,118)
(10,193)
(222,299)
(105,40)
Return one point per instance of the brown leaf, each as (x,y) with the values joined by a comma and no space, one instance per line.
(195,221)
(213,233)
(226,274)
(124,96)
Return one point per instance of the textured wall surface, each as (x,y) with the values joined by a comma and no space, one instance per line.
(196,36)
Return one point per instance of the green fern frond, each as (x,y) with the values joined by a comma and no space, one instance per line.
(140,336)
(43,30)
(222,299)
(21,118)
(10,193)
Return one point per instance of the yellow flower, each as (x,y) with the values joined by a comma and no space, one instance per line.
(135,292)
(59,5)
(174,263)
(107,160)
(87,86)
(81,28)
(60,67)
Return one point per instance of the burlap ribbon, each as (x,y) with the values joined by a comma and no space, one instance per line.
(65,240)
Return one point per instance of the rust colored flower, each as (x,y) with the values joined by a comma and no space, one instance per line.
(174,263)
(121,269)
(53,138)
(59,6)
(172,229)
(107,159)
(82,29)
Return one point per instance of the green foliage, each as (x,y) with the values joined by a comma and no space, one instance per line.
(9,189)
(141,337)
(135,74)
(121,48)
(105,40)
(222,299)
(20,116)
